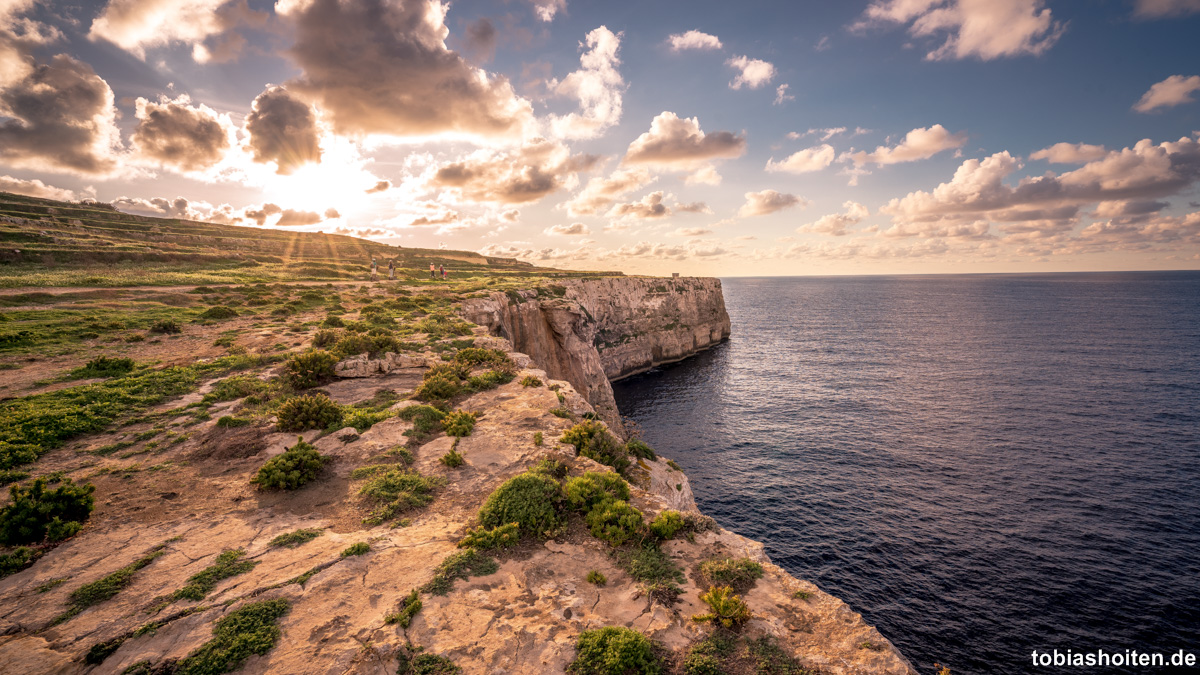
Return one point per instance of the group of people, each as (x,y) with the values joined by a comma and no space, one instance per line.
(434,270)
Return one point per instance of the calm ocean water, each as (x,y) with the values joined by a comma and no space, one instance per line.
(981,465)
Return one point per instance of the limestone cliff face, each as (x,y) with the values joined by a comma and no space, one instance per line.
(594,331)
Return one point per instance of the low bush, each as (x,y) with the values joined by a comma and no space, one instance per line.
(310,369)
(17,560)
(358,548)
(596,578)
(218,313)
(239,635)
(615,522)
(484,539)
(409,606)
(459,423)
(325,338)
(231,422)
(739,573)
(667,523)
(200,584)
(494,358)
(489,380)
(296,538)
(425,418)
(107,587)
(637,448)
(595,487)
(453,458)
(35,513)
(530,381)
(725,607)
(291,469)
(550,467)
(311,411)
(235,387)
(165,327)
(654,570)
(333,321)
(528,499)
(581,434)
(103,366)
(614,650)
(413,662)
(396,491)
(591,439)
(362,419)
(438,388)
(707,656)
(371,345)
(462,565)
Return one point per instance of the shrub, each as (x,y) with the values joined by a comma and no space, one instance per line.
(98,591)
(501,536)
(311,411)
(359,548)
(218,313)
(165,327)
(296,538)
(425,419)
(453,459)
(102,650)
(35,513)
(530,381)
(667,523)
(655,570)
(238,386)
(409,606)
(725,607)
(293,468)
(595,577)
(740,573)
(307,370)
(437,388)
(200,584)
(372,345)
(771,659)
(456,371)
(614,521)
(550,467)
(333,321)
(229,421)
(476,356)
(20,558)
(413,662)
(581,434)
(462,565)
(637,448)
(245,632)
(705,657)
(614,651)
(595,487)
(103,367)
(489,380)
(397,491)
(538,439)
(325,338)
(459,423)
(361,419)
(528,499)
(606,449)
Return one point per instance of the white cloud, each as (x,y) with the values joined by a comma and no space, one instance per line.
(572,230)
(135,25)
(983,29)
(754,72)
(676,143)
(35,188)
(1155,9)
(1070,153)
(781,95)
(600,192)
(917,144)
(524,175)
(769,201)
(597,85)
(547,9)
(693,39)
(650,206)
(1173,91)
(835,224)
(804,161)
(691,232)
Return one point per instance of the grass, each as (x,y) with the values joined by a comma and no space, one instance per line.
(462,565)
(654,570)
(409,606)
(358,548)
(740,573)
(396,491)
(228,564)
(594,577)
(248,631)
(98,591)
(296,538)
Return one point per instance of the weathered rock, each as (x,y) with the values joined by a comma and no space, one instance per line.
(365,366)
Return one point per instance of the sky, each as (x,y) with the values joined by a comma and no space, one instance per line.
(699,137)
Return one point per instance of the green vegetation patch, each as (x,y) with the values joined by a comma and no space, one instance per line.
(35,513)
(310,411)
(98,591)
(409,606)
(310,369)
(725,608)
(357,548)
(291,469)
(459,423)
(596,578)
(228,564)
(591,439)
(103,366)
(615,522)
(462,565)
(499,537)
(529,499)
(654,570)
(413,661)
(18,559)
(218,313)
(614,650)
(396,491)
(296,538)
(739,573)
(243,633)
(667,523)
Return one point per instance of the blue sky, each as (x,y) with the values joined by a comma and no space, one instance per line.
(975,135)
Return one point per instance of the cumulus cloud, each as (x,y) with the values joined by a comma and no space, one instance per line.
(179,207)
(572,230)
(260,215)
(177,134)
(835,224)
(804,161)
(781,95)
(381,186)
(982,29)
(519,177)
(600,192)
(691,232)
(35,188)
(547,9)
(693,39)
(597,85)
(1070,153)
(294,218)
(1156,9)
(754,73)
(1173,91)
(388,72)
(768,201)
(978,193)
(650,206)
(679,143)
(364,232)
(332,213)
(693,207)
(61,118)
(138,25)
(283,130)
(917,144)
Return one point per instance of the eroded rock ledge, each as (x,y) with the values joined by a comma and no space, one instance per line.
(594,331)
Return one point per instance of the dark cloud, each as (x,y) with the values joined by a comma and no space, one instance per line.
(650,206)
(480,44)
(179,135)
(260,215)
(283,130)
(527,175)
(381,186)
(332,213)
(62,118)
(293,218)
(382,67)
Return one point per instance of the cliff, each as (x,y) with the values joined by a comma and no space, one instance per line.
(184,514)
(591,332)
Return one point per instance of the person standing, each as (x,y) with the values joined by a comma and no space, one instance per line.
(374,268)
(443,270)
(432,271)
(391,269)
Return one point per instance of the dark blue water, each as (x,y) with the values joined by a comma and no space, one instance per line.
(981,465)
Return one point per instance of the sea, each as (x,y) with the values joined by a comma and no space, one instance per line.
(982,465)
